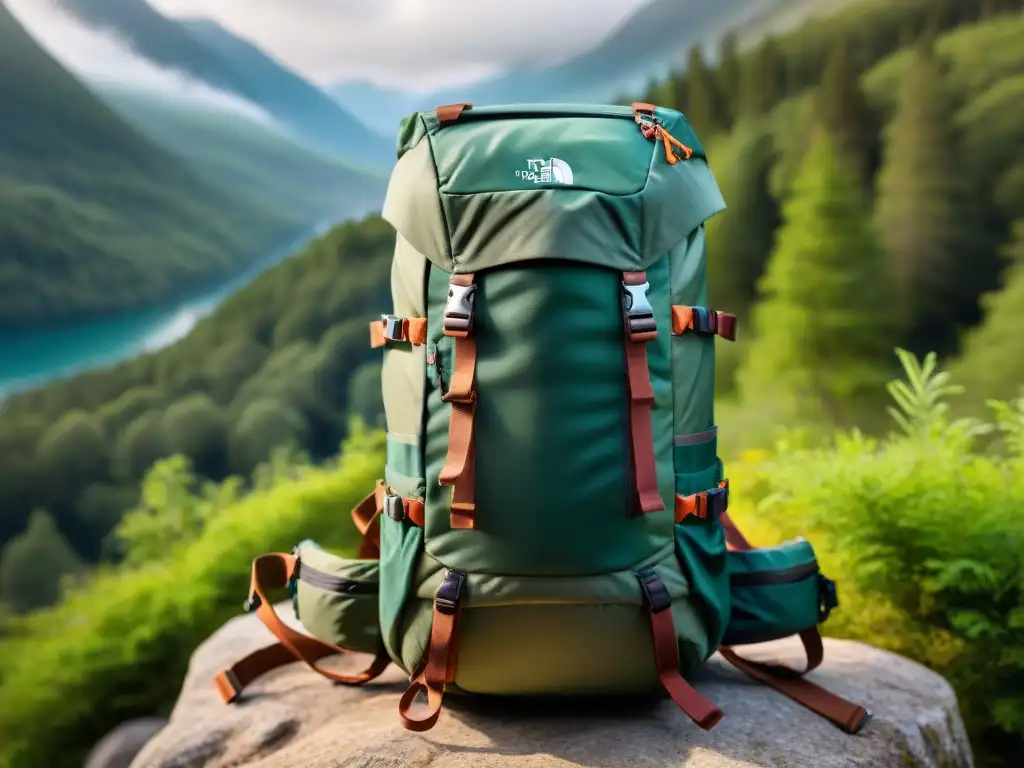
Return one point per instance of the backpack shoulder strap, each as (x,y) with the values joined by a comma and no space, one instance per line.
(790,682)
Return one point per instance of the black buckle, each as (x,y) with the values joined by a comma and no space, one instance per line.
(458,311)
(655,592)
(718,501)
(828,597)
(449,594)
(394,506)
(392,327)
(704,320)
(639,312)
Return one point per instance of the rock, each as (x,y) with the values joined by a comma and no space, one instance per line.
(293,718)
(119,747)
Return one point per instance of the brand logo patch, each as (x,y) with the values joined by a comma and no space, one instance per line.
(550,171)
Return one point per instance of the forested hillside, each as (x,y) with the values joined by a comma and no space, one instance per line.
(279,362)
(96,218)
(872,198)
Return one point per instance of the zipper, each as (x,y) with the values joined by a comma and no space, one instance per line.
(331,583)
(767,578)
(651,128)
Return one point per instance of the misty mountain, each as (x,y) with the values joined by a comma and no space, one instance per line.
(95,217)
(210,54)
(649,43)
(253,157)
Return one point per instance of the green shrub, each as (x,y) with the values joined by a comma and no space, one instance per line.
(119,647)
(924,530)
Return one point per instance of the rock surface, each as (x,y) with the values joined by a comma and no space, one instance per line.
(119,747)
(293,718)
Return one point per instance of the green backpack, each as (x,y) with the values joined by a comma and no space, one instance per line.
(553,515)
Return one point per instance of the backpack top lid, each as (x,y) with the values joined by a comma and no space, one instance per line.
(580,182)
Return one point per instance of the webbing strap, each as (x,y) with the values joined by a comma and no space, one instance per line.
(459,466)
(400,329)
(703,320)
(666,651)
(274,571)
(790,682)
(442,656)
(640,328)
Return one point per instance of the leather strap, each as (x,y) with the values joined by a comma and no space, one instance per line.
(721,323)
(666,651)
(366,517)
(641,400)
(274,571)
(450,113)
(460,465)
(442,656)
(790,682)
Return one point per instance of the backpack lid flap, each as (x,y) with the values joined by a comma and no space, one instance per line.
(510,184)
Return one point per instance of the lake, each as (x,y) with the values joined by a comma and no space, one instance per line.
(30,357)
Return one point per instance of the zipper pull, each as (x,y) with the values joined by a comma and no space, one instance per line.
(653,130)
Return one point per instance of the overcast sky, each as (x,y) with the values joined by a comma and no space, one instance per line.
(416,44)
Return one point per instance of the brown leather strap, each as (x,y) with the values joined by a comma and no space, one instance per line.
(666,651)
(703,504)
(790,682)
(366,517)
(641,400)
(642,107)
(450,113)
(412,330)
(721,323)
(274,571)
(460,464)
(232,681)
(442,656)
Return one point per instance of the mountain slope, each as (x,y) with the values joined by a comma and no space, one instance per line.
(649,43)
(251,157)
(214,56)
(95,217)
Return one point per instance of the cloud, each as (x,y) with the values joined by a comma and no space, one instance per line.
(101,57)
(413,44)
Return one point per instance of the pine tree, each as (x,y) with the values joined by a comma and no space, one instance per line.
(843,109)
(33,565)
(730,75)
(823,335)
(762,83)
(992,363)
(740,239)
(917,210)
(702,107)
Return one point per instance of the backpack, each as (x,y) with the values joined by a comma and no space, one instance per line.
(553,515)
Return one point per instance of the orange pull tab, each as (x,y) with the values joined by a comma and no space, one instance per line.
(671,141)
(653,130)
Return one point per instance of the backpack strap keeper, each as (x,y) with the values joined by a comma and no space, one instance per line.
(391,328)
(703,321)
(710,504)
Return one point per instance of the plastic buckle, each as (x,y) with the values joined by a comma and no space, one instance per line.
(639,312)
(718,501)
(449,594)
(458,311)
(655,592)
(704,320)
(393,327)
(251,603)
(828,597)
(394,506)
